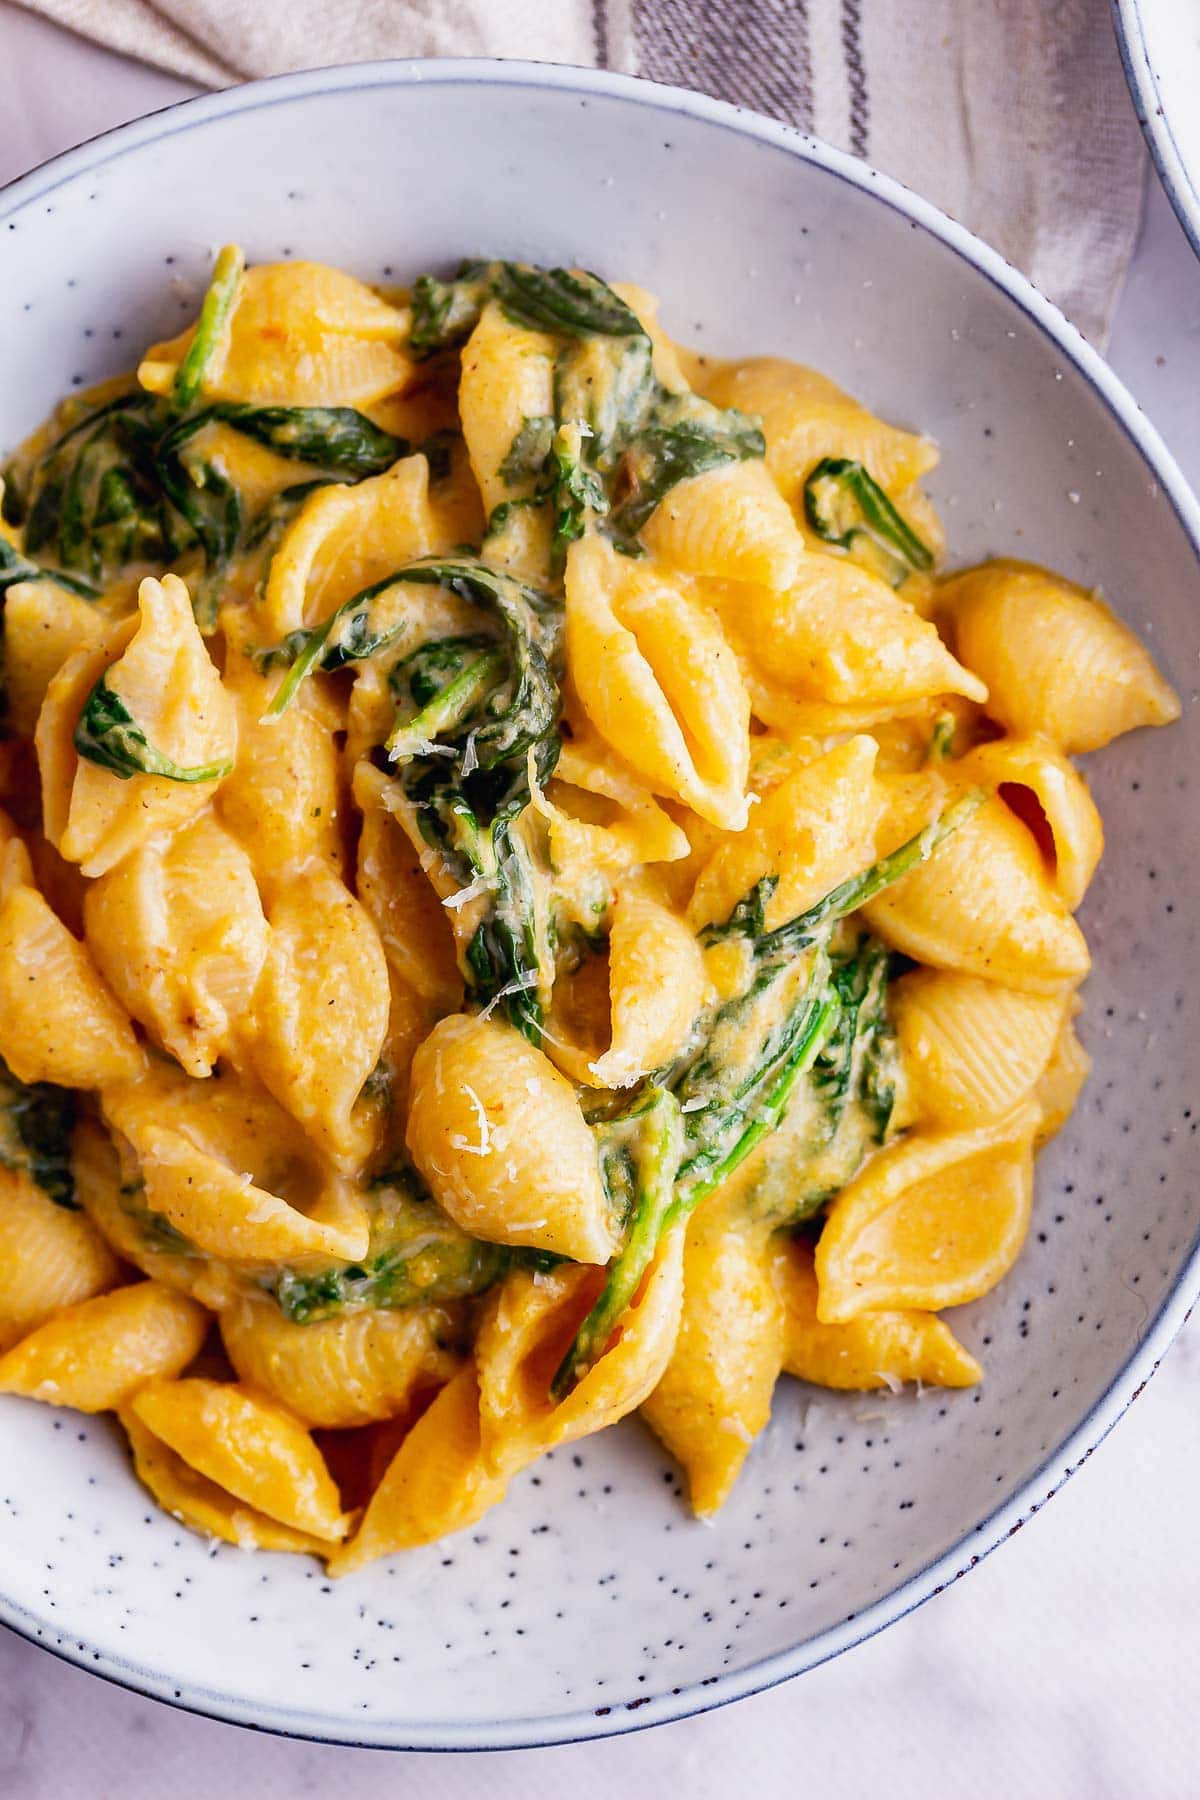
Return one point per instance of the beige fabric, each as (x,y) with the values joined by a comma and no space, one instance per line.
(1011,114)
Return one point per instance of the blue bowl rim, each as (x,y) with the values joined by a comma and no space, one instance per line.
(1069,1455)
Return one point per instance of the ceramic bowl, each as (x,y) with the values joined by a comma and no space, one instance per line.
(591,1602)
(1160,46)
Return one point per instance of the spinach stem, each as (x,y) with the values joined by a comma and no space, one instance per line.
(219,302)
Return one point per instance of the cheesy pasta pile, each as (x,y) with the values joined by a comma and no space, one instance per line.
(524,896)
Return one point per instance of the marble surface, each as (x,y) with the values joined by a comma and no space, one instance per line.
(1066,1667)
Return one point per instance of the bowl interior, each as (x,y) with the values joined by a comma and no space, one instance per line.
(591,1598)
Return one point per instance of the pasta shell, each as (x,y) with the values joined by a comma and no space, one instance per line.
(1061,1082)
(321,1011)
(839,636)
(524,1336)
(715,1393)
(49,1257)
(932,1221)
(437,1482)
(178,929)
(412,924)
(94,1355)
(811,832)
(227,1168)
(344,539)
(59,1021)
(602,822)
(249,1446)
(283,799)
(983,904)
(169,685)
(44,624)
(219,1210)
(507,378)
(731,523)
(874,1350)
(805,417)
(346,1370)
(1057,663)
(972,1049)
(657,986)
(301,334)
(1047,793)
(201,1504)
(658,681)
(497,1133)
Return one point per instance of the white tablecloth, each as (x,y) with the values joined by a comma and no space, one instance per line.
(1066,1668)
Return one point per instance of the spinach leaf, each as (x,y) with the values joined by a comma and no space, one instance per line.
(618,441)
(444,314)
(844,505)
(15,568)
(683,436)
(108,734)
(416,1253)
(36,1121)
(526,455)
(132,482)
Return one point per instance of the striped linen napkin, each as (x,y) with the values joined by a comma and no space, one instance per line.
(1011,114)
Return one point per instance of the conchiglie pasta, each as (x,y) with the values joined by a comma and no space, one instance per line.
(507,378)
(1062,1081)
(715,1393)
(228,1169)
(301,334)
(972,1049)
(248,1446)
(167,682)
(806,416)
(412,924)
(179,931)
(113,1200)
(498,1414)
(438,1482)
(1047,793)
(283,799)
(44,624)
(58,1020)
(345,1370)
(873,1350)
(94,1355)
(50,1257)
(841,637)
(345,539)
(657,985)
(730,523)
(933,1221)
(201,1504)
(321,1011)
(658,681)
(1057,662)
(811,832)
(984,904)
(497,1133)
(602,822)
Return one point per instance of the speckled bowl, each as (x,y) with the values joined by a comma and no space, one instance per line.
(591,1602)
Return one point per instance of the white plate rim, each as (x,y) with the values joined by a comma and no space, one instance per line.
(1173,172)
(1157,1335)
